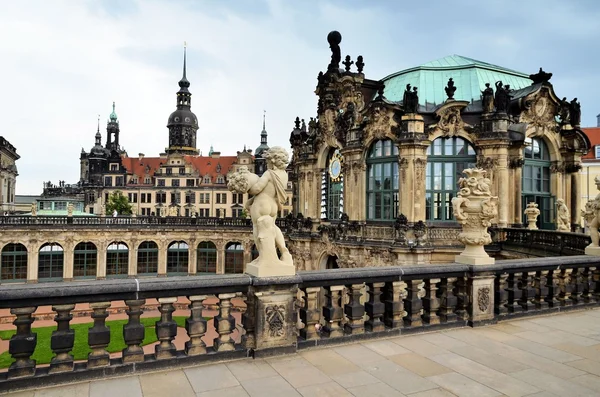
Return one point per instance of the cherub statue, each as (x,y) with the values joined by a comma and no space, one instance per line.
(563,218)
(33,209)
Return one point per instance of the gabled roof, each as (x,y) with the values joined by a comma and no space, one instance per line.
(137,166)
(209,165)
(593,134)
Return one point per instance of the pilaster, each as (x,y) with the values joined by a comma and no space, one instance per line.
(412,160)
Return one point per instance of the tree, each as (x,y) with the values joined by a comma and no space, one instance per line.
(118,201)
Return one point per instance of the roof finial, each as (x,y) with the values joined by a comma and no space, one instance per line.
(113,115)
(184,57)
(98,124)
(264,113)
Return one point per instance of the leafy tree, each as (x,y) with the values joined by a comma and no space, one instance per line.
(118,201)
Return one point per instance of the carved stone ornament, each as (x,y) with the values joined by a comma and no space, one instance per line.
(474,208)
(450,120)
(483,298)
(379,124)
(589,213)
(563,217)
(487,163)
(540,111)
(532,212)
(516,162)
(275,316)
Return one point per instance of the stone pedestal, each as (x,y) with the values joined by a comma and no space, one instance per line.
(594,251)
(265,270)
(481,301)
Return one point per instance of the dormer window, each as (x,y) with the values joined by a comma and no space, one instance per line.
(147,180)
(207,179)
(220,179)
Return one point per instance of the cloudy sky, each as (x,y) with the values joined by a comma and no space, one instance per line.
(63,63)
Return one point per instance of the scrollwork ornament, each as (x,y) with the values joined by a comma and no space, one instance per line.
(275,316)
(483,298)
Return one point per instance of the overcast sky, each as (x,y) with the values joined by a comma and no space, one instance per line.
(63,63)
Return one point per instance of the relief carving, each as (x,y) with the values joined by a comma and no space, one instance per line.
(483,298)
(540,111)
(379,123)
(275,316)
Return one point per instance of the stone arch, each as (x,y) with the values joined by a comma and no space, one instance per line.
(147,257)
(14,262)
(178,257)
(206,257)
(117,259)
(324,154)
(85,259)
(51,261)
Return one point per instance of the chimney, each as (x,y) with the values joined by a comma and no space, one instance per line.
(141,156)
(215,155)
(598,120)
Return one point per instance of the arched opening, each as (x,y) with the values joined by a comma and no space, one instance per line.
(14,262)
(85,260)
(50,262)
(147,258)
(536,181)
(234,258)
(206,261)
(446,160)
(117,260)
(177,258)
(332,187)
(382,181)
(331,262)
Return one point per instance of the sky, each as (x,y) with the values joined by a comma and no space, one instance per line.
(63,63)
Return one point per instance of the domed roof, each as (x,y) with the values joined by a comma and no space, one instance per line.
(469,77)
(113,115)
(183,116)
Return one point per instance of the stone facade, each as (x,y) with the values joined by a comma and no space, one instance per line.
(8,175)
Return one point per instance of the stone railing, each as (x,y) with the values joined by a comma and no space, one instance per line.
(541,242)
(284,314)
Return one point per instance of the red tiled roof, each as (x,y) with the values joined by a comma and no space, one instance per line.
(593,134)
(135,166)
(208,165)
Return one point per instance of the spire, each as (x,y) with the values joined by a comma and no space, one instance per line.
(113,115)
(98,136)
(210,152)
(184,83)
(263,133)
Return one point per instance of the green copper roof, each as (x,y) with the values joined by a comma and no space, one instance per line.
(469,77)
(113,115)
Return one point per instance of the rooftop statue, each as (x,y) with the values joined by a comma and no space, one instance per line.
(487,99)
(334,38)
(411,100)
(575,113)
(502,98)
(540,77)
(564,111)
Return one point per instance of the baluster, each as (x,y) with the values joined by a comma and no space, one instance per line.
(576,286)
(413,304)
(354,310)
(589,285)
(564,280)
(462,299)
(133,332)
(395,293)
(553,284)
(195,326)
(431,303)
(448,301)
(166,329)
(22,343)
(310,314)
(501,295)
(375,308)
(525,285)
(99,336)
(541,290)
(333,312)
(224,324)
(62,339)
(596,287)
(514,294)
(249,322)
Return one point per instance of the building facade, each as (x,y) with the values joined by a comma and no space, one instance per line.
(8,175)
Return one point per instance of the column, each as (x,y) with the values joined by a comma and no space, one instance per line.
(68,256)
(101,270)
(503,188)
(575,201)
(192,255)
(162,259)
(33,252)
(354,183)
(220,257)
(132,263)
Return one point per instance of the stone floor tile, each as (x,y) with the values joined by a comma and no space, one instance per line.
(269,387)
(385,348)
(76,390)
(236,391)
(420,365)
(164,383)
(330,389)
(329,362)
(353,379)
(398,377)
(589,381)
(552,384)
(419,346)
(530,325)
(251,369)
(471,337)
(543,394)
(116,387)
(543,351)
(543,364)
(442,340)
(508,328)
(358,354)
(493,361)
(556,337)
(591,352)
(462,386)
(375,390)
(28,393)
(591,366)
(433,393)
(210,377)
(300,372)
(497,335)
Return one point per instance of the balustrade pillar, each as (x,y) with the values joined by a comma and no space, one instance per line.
(249,322)
(541,289)
(62,339)
(333,312)
(224,324)
(564,280)
(354,310)
(589,285)
(413,304)
(166,329)
(553,284)
(431,303)
(133,332)
(462,299)
(448,300)
(375,308)
(395,293)
(514,294)
(501,295)
(195,326)
(596,287)
(99,336)
(577,286)
(22,343)
(525,285)
(309,313)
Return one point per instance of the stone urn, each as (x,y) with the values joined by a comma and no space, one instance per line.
(532,212)
(474,209)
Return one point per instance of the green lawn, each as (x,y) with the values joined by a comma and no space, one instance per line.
(43,354)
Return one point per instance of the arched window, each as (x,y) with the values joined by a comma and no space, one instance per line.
(207,258)
(446,159)
(14,262)
(536,181)
(50,262)
(147,258)
(117,260)
(332,187)
(177,258)
(234,258)
(382,181)
(85,260)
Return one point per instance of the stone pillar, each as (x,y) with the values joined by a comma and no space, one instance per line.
(481,299)
(354,184)
(503,188)
(101,252)
(575,200)
(162,259)
(412,163)
(192,257)
(132,263)
(220,257)
(68,256)
(33,252)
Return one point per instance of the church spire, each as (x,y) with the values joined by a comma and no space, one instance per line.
(184,83)
(263,133)
(98,136)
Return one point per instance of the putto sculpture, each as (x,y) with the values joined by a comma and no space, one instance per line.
(563,218)
(268,195)
(474,209)
(532,212)
(594,247)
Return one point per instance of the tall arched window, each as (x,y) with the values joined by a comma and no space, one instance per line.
(147,258)
(446,159)
(332,187)
(85,260)
(382,181)
(50,262)
(177,258)
(234,258)
(536,181)
(206,261)
(14,262)
(117,260)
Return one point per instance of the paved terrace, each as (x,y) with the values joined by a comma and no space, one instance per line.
(557,355)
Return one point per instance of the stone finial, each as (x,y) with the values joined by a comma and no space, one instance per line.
(540,77)
(450,88)
(348,62)
(563,217)
(532,212)
(474,209)
(360,64)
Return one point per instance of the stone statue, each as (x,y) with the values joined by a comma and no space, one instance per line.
(594,205)
(575,113)
(173,211)
(411,100)
(334,38)
(563,217)
(70,209)
(564,111)
(348,62)
(487,99)
(588,214)
(502,98)
(450,88)
(102,210)
(406,97)
(33,209)
(532,212)
(474,208)
(269,195)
